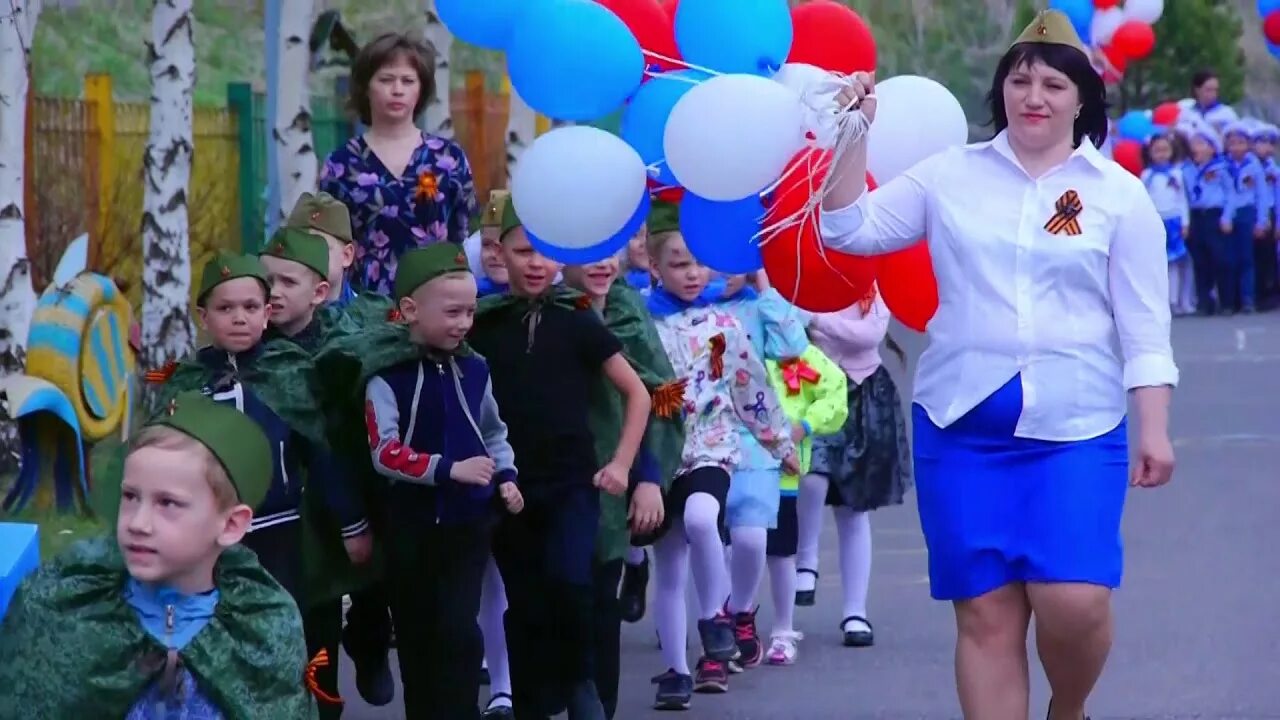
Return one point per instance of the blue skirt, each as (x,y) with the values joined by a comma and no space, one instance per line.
(999,509)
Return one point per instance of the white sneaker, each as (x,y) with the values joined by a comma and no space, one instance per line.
(783,647)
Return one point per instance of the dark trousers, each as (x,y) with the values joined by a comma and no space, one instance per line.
(322,625)
(434,573)
(1268,274)
(546,556)
(1235,262)
(367,636)
(279,548)
(1203,242)
(608,648)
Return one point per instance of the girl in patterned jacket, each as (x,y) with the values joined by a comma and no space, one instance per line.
(726,386)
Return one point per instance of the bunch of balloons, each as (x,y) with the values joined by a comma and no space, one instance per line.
(1136,127)
(1269,10)
(1118,33)
(727,108)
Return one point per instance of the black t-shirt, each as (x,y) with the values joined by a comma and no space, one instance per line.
(543,391)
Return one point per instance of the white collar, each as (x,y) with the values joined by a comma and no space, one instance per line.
(1086,151)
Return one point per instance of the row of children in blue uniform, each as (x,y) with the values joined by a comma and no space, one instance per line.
(1218,195)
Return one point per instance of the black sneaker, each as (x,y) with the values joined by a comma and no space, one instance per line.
(635,585)
(718,642)
(712,677)
(750,649)
(374,681)
(675,691)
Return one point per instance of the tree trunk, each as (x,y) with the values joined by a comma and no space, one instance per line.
(167,332)
(294,146)
(522,126)
(17,298)
(437,119)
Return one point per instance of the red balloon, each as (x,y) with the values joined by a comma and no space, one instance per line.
(652,26)
(908,285)
(1166,114)
(1271,27)
(665,193)
(806,273)
(1116,57)
(1134,39)
(670,6)
(1105,4)
(831,36)
(1128,153)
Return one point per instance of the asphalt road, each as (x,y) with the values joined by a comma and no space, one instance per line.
(1198,618)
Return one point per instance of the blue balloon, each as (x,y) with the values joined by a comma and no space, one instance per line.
(599,251)
(734,36)
(1135,125)
(573,59)
(1079,12)
(488,24)
(644,119)
(1266,7)
(1273,49)
(722,235)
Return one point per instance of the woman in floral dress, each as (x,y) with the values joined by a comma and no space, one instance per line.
(404,188)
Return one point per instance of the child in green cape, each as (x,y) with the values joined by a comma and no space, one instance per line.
(172,617)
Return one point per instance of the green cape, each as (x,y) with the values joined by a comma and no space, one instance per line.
(367,309)
(284,378)
(70,646)
(626,317)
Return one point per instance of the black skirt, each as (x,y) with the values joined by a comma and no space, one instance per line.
(868,463)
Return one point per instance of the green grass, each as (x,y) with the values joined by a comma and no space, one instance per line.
(57,530)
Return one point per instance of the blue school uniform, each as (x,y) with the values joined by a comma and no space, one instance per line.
(1245,205)
(1208,187)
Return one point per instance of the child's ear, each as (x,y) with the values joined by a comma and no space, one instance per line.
(321,293)
(348,255)
(408,309)
(236,525)
(200,315)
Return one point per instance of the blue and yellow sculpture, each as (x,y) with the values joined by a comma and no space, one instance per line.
(78,389)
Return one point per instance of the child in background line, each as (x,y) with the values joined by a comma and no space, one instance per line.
(322,214)
(1168,189)
(1208,187)
(751,511)
(547,355)
(815,396)
(623,311)
(636,264)
(1243,220)
(171,618)
(864,467)
(726,386)
(1265,249)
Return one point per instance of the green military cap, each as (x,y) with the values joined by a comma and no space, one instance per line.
(1053,27)
(422,265)
(232,437)
(300,246)
(663,217)
(321,211)
(510,220)
(495,209)
(226,266)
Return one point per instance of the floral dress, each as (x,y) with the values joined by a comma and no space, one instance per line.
(432,201)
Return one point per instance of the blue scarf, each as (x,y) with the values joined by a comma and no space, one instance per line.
(663,304)
(345,296)
(486,287)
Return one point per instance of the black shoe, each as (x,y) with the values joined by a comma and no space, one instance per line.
(807,598)
(857,638)
(1049,712)
(498,712)
(635,585)
(718,641)
(712,677)
(675,691)
(373,675)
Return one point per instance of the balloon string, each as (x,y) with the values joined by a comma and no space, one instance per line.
(681,62)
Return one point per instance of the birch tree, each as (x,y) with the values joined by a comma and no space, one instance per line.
(167,332)
(17,298)
(437,118)
(522,126)
(294,146)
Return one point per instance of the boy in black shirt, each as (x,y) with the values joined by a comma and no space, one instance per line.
(545,354)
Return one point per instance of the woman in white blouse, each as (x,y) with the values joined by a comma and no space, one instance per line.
(1048,256)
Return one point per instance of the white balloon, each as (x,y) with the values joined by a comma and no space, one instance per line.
(915,118)
(817,89)
(732,136)
(1148,11)
(1104,25)
(1185,103)
(472,248)
(577,185)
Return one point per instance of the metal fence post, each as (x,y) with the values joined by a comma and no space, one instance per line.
(240,102)
(98,93)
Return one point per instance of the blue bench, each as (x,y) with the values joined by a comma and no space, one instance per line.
(19,555)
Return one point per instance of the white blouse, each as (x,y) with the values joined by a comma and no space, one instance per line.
(1082,317)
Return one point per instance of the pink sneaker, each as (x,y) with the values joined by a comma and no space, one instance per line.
(783,647)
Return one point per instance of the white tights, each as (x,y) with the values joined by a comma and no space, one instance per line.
(493,604)
(854,532)
(694,537)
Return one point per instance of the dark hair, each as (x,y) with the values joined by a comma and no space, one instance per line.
(1201,77)
(1069,61)
(379,52)
(1175,148)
